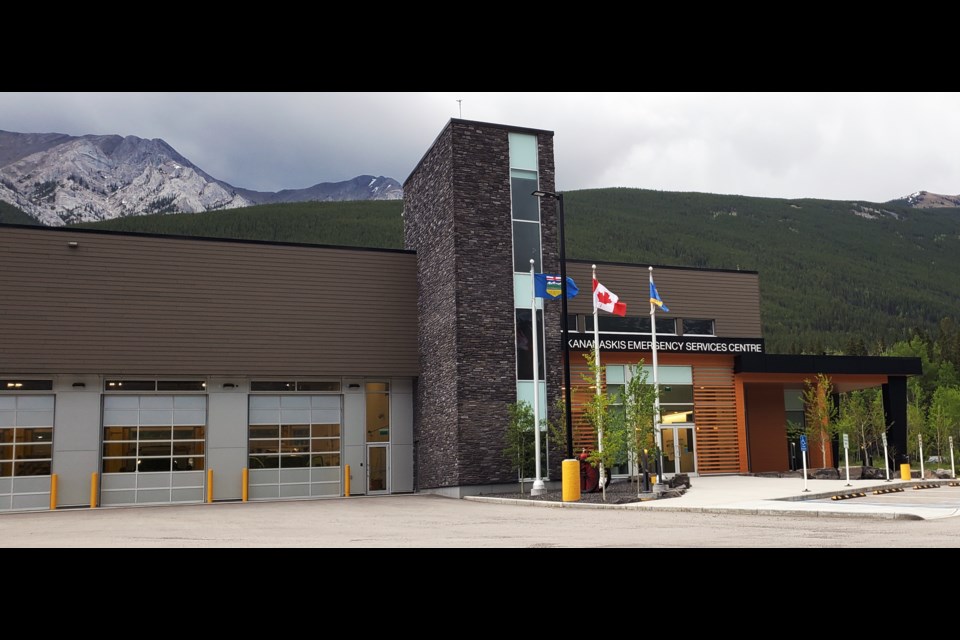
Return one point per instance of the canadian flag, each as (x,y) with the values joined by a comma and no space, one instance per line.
(607,300)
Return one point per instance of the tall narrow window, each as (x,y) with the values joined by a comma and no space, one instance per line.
(378,411)
(525,345)
(525,208)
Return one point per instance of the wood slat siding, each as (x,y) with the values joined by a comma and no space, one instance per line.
(715,416)
(584,436)
(121,304)
(732,298)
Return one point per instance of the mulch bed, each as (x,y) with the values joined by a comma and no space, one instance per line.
(618,492)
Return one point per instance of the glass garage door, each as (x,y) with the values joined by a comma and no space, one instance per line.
(294,446)
(26,450)
(153,449)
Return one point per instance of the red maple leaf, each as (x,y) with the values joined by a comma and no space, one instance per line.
(603,297)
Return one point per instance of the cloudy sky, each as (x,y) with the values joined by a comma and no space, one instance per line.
(863,146)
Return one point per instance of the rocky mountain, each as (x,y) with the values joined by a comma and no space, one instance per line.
(927,200)
(359,188)
(60,179)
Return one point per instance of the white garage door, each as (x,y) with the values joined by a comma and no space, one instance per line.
(294,446)
(26,450)
(153,449)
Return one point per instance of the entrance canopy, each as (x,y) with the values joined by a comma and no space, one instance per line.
(847,373)
(761,379)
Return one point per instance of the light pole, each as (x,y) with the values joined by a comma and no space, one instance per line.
(563,319)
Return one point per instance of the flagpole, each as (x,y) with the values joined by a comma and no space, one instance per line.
(596,362)
(537,488)
(656,387)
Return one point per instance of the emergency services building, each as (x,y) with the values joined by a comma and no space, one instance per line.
(148,369)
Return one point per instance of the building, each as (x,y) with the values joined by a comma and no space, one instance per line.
(154,369)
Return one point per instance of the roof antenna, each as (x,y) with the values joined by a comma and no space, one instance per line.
(460,104)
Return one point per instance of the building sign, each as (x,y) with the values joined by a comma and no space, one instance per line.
(668,344)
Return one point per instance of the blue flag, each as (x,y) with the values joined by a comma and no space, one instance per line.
(549,287)
(655,297)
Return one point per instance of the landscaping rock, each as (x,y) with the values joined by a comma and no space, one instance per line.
(871,473)
(679,480)
(942,474)
(826,473)
(789,474)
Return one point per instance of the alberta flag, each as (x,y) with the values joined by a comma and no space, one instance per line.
(655,297)
(549,286)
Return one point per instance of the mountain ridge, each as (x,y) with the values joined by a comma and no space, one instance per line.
(929,200)
(59,179)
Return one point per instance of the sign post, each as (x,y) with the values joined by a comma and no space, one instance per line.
(803,450)
(846,455)
(886,461)
(920,442)
(953,470)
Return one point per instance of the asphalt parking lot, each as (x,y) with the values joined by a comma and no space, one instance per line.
(733,512)
(938,497)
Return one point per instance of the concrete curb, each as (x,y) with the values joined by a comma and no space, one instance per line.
(551,504)
(720,510)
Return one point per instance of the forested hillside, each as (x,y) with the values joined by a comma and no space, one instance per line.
(367,223)
(9,214)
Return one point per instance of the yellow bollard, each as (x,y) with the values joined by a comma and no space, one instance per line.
(570,473)
(346,477)
(53,490)
(93,489)
(209,485)
(245,491)
(653,476)
(905,472)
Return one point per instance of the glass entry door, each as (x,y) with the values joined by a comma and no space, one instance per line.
(678,449)
(378,471)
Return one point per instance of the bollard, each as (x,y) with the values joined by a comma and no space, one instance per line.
(245,490)
(93,490)
(570,471)
(209,486)
(346,481)
(905,471)
(53,492)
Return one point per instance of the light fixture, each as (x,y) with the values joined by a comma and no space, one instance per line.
(227,385)
(353,385)
(79,385)
(73,244)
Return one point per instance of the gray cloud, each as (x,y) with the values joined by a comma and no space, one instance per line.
(844,146)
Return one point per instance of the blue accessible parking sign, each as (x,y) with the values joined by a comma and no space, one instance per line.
(803,443)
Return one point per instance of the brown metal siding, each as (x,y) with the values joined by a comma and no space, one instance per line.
(729,297)
(766,424)
(121,304)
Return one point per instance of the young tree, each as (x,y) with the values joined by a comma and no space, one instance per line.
(638,415)
(916,424)
(943,417)
(820,412)
(857,418)
(520,444)
(608,425)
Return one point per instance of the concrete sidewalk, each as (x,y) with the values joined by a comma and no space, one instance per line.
(783,496)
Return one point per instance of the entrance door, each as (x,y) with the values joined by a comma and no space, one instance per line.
(378,468)
(678,449)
